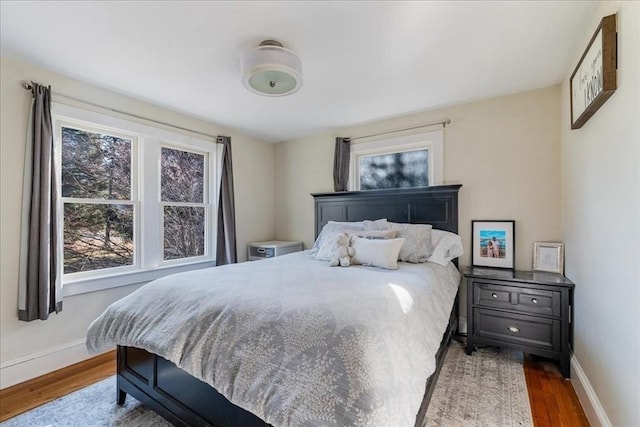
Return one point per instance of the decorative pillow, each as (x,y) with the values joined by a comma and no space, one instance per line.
(446,246)
(377,234)
(381,253)
(377,225)
(332,227)
(331,243)
(418,247)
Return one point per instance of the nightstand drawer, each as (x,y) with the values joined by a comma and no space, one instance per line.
(525,300)
(530,331)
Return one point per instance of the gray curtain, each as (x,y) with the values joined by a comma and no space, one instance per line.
(226,252)
(341,164)
(40,287)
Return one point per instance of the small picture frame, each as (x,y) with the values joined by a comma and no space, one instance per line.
(548,256)
(493,243)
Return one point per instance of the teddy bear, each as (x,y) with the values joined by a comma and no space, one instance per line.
(342,252)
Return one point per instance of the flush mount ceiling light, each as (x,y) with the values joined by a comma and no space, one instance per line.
(271,70)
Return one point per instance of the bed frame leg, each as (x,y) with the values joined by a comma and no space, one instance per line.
(122,396)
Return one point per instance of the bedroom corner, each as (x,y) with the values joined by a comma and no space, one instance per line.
(30,349)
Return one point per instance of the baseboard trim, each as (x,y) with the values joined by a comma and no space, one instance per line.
(33,365)
(593,409)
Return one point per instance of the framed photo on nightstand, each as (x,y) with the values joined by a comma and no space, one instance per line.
(548,256)
(493,243)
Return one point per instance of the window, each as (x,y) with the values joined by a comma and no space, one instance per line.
(394,170)
(401,162)
(136,200)
(182,194)
(98,200)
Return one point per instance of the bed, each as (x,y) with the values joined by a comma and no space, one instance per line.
(184,399)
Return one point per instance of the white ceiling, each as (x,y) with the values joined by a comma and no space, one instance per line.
(362,61)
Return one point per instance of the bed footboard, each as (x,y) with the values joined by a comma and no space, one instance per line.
(174,394)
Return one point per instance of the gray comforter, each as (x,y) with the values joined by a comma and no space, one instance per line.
(294,341)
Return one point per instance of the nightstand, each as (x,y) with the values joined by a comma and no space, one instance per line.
(272,248)
(528,311)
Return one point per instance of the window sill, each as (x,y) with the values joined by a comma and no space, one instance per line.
(94,284)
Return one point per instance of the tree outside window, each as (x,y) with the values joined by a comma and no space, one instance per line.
(98,207)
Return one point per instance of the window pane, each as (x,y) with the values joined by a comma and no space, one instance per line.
(97,236)
(95,165)
(182,174)
(396,170)
(183,232)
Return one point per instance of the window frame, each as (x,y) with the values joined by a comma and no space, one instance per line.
(145,196)
(430,141)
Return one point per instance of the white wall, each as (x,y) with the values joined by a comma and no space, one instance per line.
(33,348)
(601,230)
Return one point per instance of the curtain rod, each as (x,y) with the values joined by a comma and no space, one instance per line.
(28,86)
(444,124)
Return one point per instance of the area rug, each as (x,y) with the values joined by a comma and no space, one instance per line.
(486,389)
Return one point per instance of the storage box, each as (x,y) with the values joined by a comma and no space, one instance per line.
(272,248)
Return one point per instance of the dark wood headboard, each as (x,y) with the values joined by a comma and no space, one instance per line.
(436,205)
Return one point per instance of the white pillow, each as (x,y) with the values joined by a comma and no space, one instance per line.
(446,246)
(376,253)
(378,224)
(377,234)
(348,224)
(333,227)
(417,248)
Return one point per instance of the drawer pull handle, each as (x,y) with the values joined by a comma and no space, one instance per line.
(534,300)
(494,295)
(514,329)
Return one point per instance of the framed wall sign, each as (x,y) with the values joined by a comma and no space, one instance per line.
(594,79)
(493,243)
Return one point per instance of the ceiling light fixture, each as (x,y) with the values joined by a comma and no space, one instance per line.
(271,70)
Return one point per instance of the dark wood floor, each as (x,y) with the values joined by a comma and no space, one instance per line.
(553,400)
